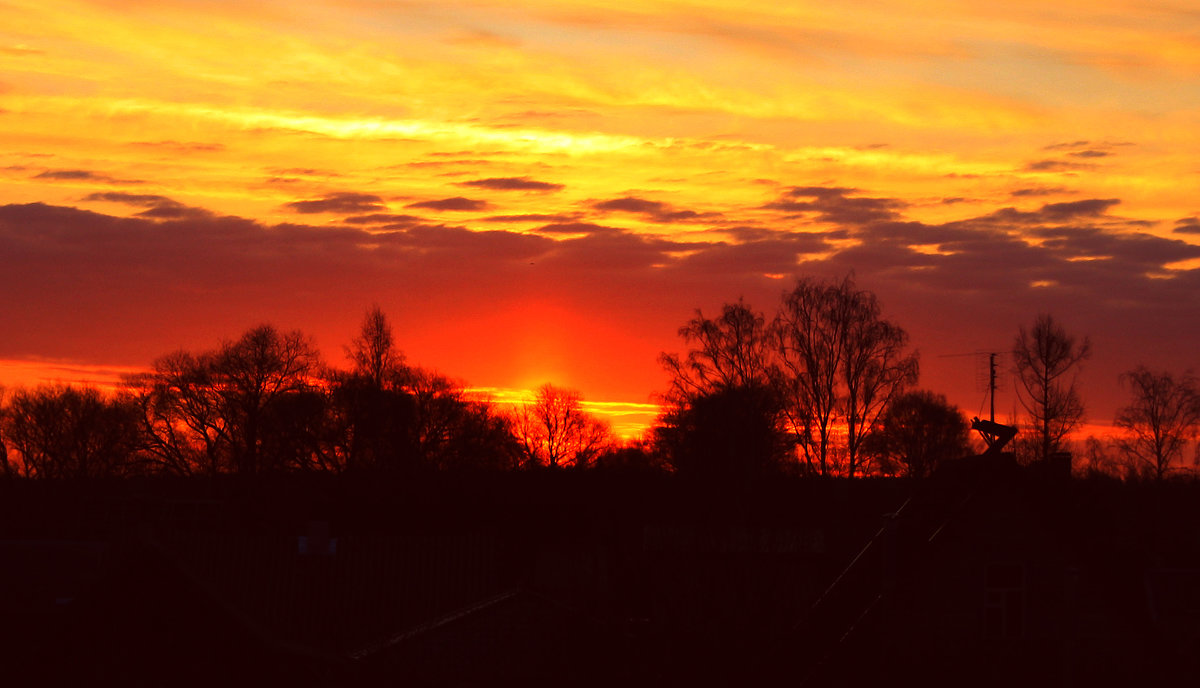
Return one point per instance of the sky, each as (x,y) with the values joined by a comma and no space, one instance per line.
(544,191)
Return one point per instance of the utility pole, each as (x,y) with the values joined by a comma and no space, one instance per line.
(992,383)
(994,434)
(991,376)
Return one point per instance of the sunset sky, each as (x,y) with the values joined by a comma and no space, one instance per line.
(544,191)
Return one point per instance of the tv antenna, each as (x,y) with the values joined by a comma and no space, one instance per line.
(994,434)
(985,378)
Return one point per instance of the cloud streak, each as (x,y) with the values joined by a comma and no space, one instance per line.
(512,184)
(653,211)
(836,205)
(156,206)
(83,176)
(341,202)
(455,204)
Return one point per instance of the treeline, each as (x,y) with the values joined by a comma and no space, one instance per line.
(261,404)
(823,386)
(265,403)
(827,386)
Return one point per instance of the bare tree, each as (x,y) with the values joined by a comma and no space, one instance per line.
(374,352)
(876,368)
(726,352)
(1163,418)
(827,361)
(808,335)
(295,432)
(1102,457)
(479,438)
(207,412)
(838,361)
(439,405)
(370,411)
(723,416)
(917,433)
(555,431)
(1047,362)
(182,416)
(71,432)
(456,431)
(254,372)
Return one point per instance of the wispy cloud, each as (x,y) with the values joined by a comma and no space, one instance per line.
(84,176)
(156,207)
(835,204)
(1052,165)
(1187,225)
(457,203)
(530,217)
(1039,191)
(653,211)
(341,202)
(181,146)
(383,218)
(512,184)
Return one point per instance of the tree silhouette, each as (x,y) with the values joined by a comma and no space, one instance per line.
(452,431)
(1163,417)
(808,334)
(875,368)
(837,359)
(69,432)
(210,412)
(374,352)
(372,414)
(392,417)
(726,352)
(828,358)
(439,404)
(295,433)
(555,431)
(182,416)
(918,432)
(1047,361)
(723,417)
(635,456)
(254,372)
(1102,457)
(370,427)
(734,433)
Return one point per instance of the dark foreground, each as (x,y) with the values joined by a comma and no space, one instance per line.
(985,575)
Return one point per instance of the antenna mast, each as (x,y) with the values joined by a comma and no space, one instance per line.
(994,434)
(992,383)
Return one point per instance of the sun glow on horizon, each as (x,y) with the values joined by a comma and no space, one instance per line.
(628,420)
(15,374)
